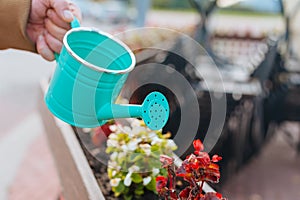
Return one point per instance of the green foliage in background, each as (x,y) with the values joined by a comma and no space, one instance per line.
(171,4)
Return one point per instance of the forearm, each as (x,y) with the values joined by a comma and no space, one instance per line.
(13,19)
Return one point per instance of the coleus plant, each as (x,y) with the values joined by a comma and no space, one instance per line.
(196,169)
(134,161)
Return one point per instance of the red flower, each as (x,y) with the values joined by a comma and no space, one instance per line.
(198,146)
(161,183)
(192,163)
(203,158)
(216,158)
(219,195)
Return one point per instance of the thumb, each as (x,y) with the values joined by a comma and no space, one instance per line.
(61,7)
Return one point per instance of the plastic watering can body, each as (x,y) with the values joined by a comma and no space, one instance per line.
(90,73)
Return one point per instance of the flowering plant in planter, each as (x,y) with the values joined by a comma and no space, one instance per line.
(196,169)
(134,160)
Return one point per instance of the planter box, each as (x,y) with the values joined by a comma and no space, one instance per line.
(77,178)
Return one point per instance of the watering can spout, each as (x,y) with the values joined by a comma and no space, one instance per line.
(154,111)
(115,111)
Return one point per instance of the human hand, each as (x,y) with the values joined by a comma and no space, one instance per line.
(48,22)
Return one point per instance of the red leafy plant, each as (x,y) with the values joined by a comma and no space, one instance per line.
(196,169)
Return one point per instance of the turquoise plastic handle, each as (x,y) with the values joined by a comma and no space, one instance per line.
(74,24)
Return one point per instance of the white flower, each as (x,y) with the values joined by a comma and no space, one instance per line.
(115,182)
(156,140)
(133,168)
(138,129)
(135,123)
(132,145)
(114,156)
(112,164)
(146,180)
(155,171)
(144,137)
(152,135)
(114,172)
(124,147)
(113,128)
(112,143)
(127,129)
(138,140)
(146,148)
(127,180)
(113,136)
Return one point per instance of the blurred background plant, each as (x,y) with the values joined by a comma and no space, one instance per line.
(127,11)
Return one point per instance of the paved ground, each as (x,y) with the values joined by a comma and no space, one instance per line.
(20,127)
(273,175)
(27,170)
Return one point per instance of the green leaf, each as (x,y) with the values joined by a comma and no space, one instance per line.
(140,163)
(116,194)
(152,185)
(163,172)
(136,178)
(120,188)
(155,154)
(126,190)
(154,163)
(135,157)
(121,159)
(139,192)
(154,148)
(127,197)
(140,187)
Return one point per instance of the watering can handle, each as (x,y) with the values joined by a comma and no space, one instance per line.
(74,24)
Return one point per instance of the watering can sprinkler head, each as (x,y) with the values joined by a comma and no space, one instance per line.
(155,110)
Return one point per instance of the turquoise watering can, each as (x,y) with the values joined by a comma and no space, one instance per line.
(91,70)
